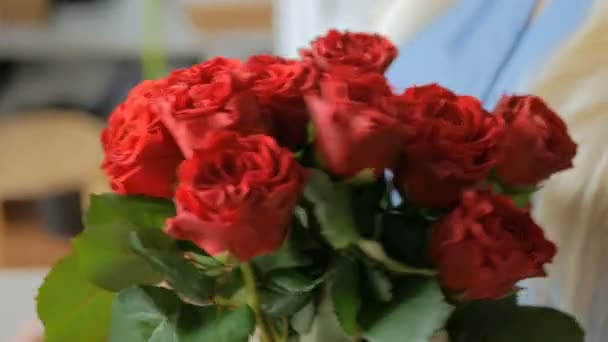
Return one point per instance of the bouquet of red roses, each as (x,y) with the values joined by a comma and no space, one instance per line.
(304,200)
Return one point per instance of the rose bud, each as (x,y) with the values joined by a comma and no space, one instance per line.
(537,143)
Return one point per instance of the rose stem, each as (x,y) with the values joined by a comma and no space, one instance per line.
(254,301)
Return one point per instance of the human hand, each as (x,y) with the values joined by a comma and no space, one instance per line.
(29,332)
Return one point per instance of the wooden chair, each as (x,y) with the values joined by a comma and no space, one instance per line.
(46,153)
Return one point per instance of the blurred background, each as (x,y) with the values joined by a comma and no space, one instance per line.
(65,64)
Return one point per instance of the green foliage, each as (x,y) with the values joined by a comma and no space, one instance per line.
(104,252)
(504,321)
(345,294)
(521,196)
(332,209)
(291,280)
(302,320)
(277,303)
(418,311)
(375,283)
(325,326)
(350,269)
(144,314)
(72,309)
(375,251)
(364,177)
(136,211)
(290,255)
(311,133)
(180,273)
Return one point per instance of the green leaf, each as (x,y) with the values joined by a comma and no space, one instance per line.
(183,277)
(139,211)
(210,266)
(365,176)
(311,133)
(520,195)
(205,261)
(72,309)
(375,251)
(294,281)
(522,200)
(288,256)
(377,283)
(104,253)
(325,326)
(418,311)
(345,294)
(279,304)
(503,321)
(301,216)
(332,209)
(229,285)
(302,320)
(146,314)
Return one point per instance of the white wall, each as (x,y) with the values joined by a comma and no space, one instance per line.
(18,290)
(297,22)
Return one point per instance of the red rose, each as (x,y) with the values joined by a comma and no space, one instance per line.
(426,92)
(280,86)
(276,77)
(346,84)
(209,96)
(141,157)
(455,145)
(370,52)
(486,245)
(236,194)
(537,143)
(355,126)
(204,73)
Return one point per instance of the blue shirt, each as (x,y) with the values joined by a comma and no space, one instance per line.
(485,48)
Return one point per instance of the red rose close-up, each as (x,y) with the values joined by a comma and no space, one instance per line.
(486,245)
(213,95)
(355,128)
(346,84)
(204,72)
(369,52)
(537,143)
(428,92)
(237,194)
(454,146)
(141,157)
(280,86)
(280,78)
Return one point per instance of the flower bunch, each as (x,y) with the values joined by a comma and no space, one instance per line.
(263,194)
